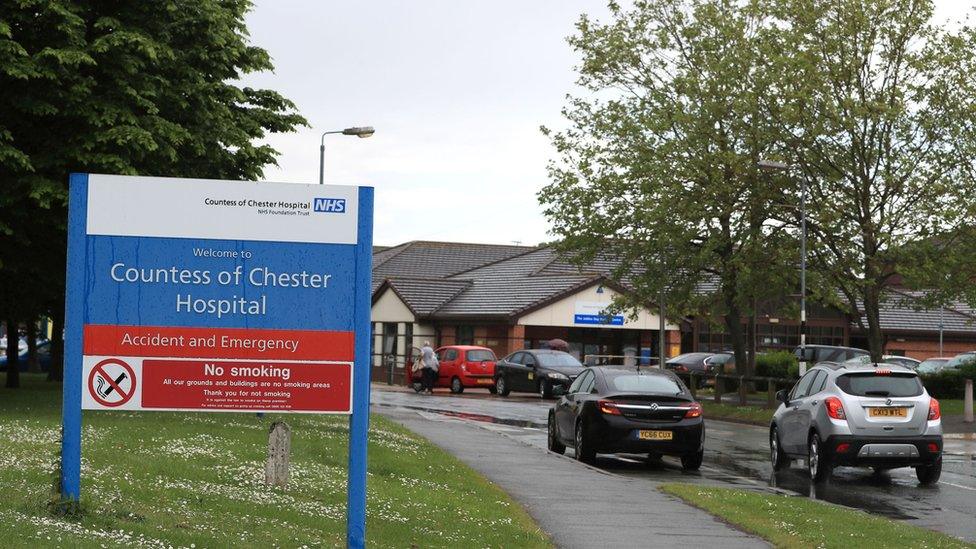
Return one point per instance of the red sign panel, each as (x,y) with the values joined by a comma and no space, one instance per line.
(235,385)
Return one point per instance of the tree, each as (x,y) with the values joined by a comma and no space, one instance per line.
(876,111)
(127,88)
(658,165)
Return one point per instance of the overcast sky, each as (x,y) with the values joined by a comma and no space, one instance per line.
(456,91)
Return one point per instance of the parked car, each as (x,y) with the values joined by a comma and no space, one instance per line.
(932,365)
(632,410)
(692,363)
(959,360)
(905,361)
(460,366)
(827,353)
(464,366)
(43,356)
(721,363)
(536,370)
(858,415)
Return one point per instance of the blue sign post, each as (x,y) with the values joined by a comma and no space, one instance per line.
(181,291)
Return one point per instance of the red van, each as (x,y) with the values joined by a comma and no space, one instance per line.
(466,366)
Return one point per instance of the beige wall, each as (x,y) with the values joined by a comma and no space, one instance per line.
(561,313)
(389,308)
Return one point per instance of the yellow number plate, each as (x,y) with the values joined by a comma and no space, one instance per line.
(655,435)
(888,412)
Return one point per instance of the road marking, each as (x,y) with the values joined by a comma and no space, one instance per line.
(957,485)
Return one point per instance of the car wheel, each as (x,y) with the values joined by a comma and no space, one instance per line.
(817,461)
(583,451)
(418,386)
(501,387)
(692,462)
(545,390)
(777,456)
(555,445)
(456,386)
(929,474)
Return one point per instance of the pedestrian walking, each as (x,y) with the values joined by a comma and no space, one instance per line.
(430,367)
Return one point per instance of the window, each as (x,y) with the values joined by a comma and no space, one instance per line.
(558,360)
(465,335)
(871,384)
(818,383)
(646,384)
(450,354)
(574,388)
(516,358)
(480,355)
(802,388)
(528,360)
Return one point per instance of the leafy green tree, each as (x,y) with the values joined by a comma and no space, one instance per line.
(875,104)
(117,87)
(658,164)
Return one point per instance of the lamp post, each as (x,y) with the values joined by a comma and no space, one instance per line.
(772,165)
(361,132)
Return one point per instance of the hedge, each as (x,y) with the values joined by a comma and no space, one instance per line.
(946,384)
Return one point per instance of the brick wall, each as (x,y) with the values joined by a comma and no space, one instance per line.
(929,348)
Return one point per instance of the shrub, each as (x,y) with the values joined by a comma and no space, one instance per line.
(945,384)
(780,364)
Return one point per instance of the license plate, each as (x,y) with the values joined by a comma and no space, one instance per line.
(485,381)
(888,412)
(655,435)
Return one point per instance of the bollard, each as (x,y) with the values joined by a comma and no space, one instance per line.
(968,404)
(279,453)
(770,394)
(719,389)
(743,393)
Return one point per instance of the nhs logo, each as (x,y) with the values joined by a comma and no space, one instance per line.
(329,205)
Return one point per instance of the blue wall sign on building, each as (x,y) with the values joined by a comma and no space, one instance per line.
(203,295)
(594,313)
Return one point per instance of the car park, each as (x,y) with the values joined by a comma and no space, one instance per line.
(463,366)
(536,370)
(628,410)
(849,414)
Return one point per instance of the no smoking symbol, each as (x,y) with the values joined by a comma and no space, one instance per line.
(112,382)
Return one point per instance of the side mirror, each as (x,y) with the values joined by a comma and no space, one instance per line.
(783,396)
(558,391)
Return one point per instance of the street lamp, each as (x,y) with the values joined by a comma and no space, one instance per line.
(771,166)
(361,132)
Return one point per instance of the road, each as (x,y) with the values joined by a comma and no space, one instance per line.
(736,455)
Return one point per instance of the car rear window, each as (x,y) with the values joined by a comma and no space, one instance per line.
(479,355)
(645,384)
(558,359)
(872,384)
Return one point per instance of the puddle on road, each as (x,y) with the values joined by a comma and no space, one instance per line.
(484,418)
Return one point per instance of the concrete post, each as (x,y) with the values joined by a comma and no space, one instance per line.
(968,403)
(279,455)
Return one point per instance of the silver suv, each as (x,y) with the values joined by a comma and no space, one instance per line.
(864,415)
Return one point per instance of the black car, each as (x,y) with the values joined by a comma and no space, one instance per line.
(697,363)
(535,371)
(629,410)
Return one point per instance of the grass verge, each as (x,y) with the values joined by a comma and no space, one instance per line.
(749,414)
(800,522)
(183,480)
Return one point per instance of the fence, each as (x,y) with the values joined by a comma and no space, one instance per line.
(742,383)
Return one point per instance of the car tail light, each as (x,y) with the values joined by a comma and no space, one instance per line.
(835,408)
(933,448)
(680,368)
(843,447)
(694,410)
(609,408)
(883,372)
(935,412)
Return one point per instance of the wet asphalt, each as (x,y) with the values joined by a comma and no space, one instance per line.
(736,455)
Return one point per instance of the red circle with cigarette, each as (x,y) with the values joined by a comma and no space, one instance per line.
(112,382)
